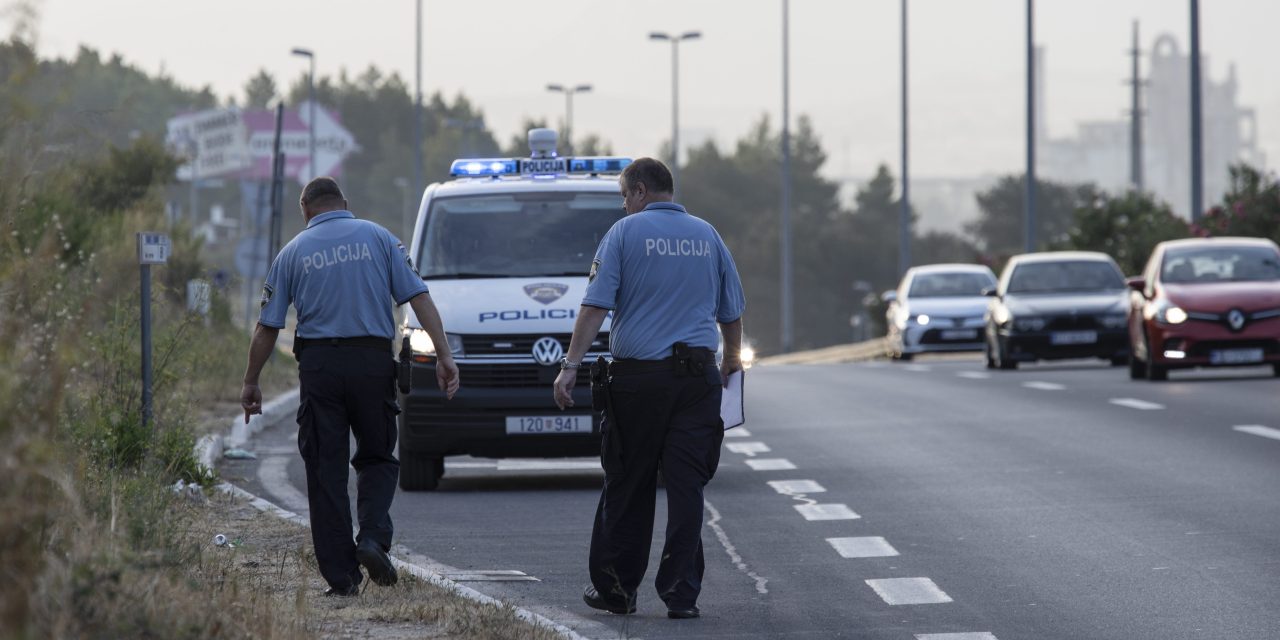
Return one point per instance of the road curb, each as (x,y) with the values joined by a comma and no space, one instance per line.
(855,352)
(209,449)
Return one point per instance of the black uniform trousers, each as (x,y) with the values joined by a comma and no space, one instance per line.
(658,421)
(347,390)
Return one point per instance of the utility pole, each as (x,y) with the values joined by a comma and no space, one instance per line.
(785,235)
(568,91)
(904,215)
(1135,115)
(418,171)
(1029,198)
(675,94)
(1197,135)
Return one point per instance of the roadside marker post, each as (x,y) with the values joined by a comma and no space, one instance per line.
(153,248)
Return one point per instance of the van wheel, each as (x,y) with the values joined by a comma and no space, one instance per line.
(420,473)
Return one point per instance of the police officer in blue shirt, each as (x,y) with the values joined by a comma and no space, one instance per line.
(669,280)
(343,275)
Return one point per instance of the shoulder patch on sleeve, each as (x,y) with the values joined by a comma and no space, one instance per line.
(595,268)
(267,292)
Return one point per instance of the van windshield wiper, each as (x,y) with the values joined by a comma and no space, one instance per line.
(466,275)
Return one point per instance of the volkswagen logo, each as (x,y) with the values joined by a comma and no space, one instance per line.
(1235,319)
(547,351)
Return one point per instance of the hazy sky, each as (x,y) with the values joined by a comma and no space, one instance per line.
(967,62)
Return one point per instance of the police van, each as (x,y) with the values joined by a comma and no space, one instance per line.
(506,247)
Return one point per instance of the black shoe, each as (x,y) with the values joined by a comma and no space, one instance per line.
(348,591)
(374,560)
(597,601)
(683,613)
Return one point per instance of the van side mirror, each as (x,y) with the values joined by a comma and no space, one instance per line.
(1137,283)
(889,296)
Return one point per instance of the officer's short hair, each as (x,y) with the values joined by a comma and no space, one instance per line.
(654,175)
(322,191)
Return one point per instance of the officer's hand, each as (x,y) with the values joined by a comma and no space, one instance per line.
(563,389)
(447,377)
(730,365)
(251,401)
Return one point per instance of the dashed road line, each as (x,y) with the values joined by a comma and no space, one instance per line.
(1044,386)
(748,448)
(864,547)
(897,591)
(737,432)
(826,512)
(973,375)
(1258,430)
(770,464)
(792,487)
(1134,403)
(955,636)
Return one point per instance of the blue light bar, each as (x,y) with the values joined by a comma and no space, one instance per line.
(598,165)
(485,167)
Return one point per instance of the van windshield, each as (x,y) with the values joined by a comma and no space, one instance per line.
(515,234)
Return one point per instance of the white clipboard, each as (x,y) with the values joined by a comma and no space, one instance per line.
(731,402)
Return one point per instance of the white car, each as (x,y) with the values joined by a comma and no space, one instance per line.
(938,307)
(506,248)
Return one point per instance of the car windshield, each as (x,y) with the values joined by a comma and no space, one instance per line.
(545,233)
(1064,277)
(949,285)
(1220,264)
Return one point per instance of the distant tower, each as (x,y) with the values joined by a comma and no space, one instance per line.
(1135,116)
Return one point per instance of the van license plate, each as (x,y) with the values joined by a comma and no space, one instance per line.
(1073,337)
(1235,356)
(525,425)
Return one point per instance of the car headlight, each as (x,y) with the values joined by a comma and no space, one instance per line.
(1114,321)
(922,319)
(1173,315)
(748,356)
(420,343)
(1028,324)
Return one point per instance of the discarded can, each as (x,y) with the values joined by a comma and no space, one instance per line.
(220,540)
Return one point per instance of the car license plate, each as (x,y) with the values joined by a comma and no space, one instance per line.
(525,425)
(960,334)
(1235,356)
(1073,337)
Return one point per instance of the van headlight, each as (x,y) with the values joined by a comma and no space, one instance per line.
(420,343)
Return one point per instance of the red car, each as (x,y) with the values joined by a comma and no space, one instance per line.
(1206,302)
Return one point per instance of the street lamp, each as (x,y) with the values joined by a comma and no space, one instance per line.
(568,110)
(784,235)
(311,91)
(675,41)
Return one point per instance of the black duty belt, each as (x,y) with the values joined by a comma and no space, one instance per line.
(696,357)
(364,342)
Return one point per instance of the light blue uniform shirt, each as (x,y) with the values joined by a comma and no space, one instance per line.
(668,277)
(342,275)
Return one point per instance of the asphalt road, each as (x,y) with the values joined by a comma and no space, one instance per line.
(1057,501)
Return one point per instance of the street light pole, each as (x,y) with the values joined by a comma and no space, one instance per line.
(1030,195)
(568,92)
(904,214)
(675,94)
(1197,134)
(311,92)
(785,235)
(418,171)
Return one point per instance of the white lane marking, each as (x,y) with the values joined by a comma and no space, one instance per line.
(273,473)
(1259,430)
(865,547)
(1043,386)
(908,591)
(546,465)
(973,375)
(792,487)
(984,635)
(770,464)
(470,465)
(1134,403)
(826,512)
(714,523)
(748,448)
(737,432)
(918,368)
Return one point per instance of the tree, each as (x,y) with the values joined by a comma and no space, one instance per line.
(1251,207)
(1125,227)
(1000,229)
(260,90)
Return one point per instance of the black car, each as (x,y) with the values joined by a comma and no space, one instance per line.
(1057,305)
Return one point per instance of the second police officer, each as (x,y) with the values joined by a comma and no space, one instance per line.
(343,275)
(669,280)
